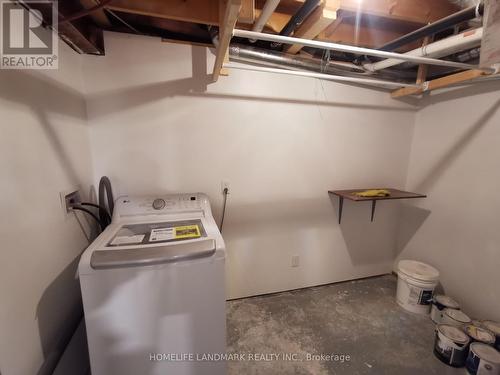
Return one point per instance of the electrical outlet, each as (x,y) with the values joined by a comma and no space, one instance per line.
(69,198)
(225,185)
(295,261)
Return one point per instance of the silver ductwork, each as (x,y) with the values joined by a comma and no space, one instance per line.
(278,59)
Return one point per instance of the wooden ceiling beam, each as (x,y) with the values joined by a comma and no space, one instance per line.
(81,36)
(421,12)
(381,20)
(198,11)
(423,68)
(247,12)
(98,16)
(316,22)
(362,35)
(439,83)
(409,11)
(229,11)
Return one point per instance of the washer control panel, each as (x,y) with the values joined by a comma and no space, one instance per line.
(136,206)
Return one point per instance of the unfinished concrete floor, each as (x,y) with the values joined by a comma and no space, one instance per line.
(356,318)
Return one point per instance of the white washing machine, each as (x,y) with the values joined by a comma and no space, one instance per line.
(153,289)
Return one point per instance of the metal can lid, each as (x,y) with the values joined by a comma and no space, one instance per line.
(453,333)
(480,334)
(457,315)
(486,352)
(446,301)
(477,323)
(418,270)
(492,326)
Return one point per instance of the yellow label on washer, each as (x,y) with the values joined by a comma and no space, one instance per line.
(187,231)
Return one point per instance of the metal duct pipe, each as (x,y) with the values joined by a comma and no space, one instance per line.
(330,77)
(472,54)
(238,52)
(299,17)
(268,9)
(247,54)
(356,50)
(444,47)
(435,27)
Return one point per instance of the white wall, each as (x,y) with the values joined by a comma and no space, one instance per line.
(455,160)
(44,149)
(158,125)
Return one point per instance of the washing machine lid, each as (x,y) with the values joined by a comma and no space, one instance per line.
(157,232)
(141,244)
(147,256)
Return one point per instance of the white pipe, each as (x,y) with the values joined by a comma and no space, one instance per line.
(444,47)
(269,8)
(331,77)
(353,49)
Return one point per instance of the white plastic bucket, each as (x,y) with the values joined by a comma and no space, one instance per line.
(416,283)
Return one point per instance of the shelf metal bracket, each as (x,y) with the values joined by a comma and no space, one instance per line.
(374,203)
(341,204)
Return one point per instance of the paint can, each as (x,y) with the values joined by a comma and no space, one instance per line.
(455,317)
(483,360)
(477,323)
(416,283)
(495,328)
(439,303)
(478,334)
(451,345)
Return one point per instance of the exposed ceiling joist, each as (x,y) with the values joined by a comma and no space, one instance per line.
(229,10)
(315,23)
(247,12)
(423,68)
(422,11)
(367,23)
(83,37)
(99,17)
(363,34)
(439,83)
(197,11)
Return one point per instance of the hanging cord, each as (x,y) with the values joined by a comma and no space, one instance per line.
(104,218)
(105,190)
(80,208)
(108,217)
(225,192)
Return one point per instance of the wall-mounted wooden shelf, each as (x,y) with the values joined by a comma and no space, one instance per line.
(349,194)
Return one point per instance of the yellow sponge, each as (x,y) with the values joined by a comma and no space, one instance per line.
(373,193)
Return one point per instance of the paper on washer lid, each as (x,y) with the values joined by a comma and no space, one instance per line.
(418,270)
(485,352)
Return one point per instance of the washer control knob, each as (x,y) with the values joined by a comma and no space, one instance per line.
(158,204)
